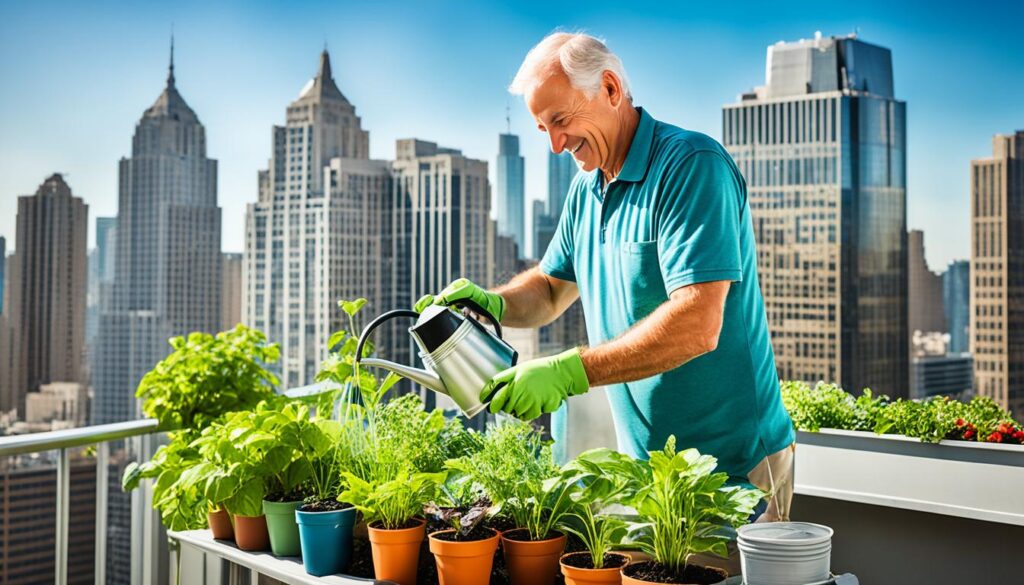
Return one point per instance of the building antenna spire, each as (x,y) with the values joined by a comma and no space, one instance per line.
(170,70)
(508,116)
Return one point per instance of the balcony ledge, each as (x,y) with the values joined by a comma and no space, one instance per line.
(196,545)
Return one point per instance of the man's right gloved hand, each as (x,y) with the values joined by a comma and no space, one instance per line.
(463,289)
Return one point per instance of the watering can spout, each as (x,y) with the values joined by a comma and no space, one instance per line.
(424,378)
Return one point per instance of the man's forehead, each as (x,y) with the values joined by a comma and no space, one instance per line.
(549,96)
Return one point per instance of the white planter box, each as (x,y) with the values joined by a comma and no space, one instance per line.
(957,478)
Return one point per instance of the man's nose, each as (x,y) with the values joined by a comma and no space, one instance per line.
(558,140)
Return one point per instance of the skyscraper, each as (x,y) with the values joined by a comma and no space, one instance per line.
(315,235)
(997,272)
(956,298)
(167,282)
(48,284)
(440,230)
(511,200)
(822,148)
(231,291)
(544,225)
(167,273)
(101,274)
(561,170)
(3,263)
(924,289)
(442,223)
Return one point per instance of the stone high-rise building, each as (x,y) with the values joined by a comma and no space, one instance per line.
(924,291)
(442,227)
(822,147)
(997,272)
(167,282)
(511,200)
(316,235)
(3,263)
(167,273)
(231,291)
(48,285)
(956,298)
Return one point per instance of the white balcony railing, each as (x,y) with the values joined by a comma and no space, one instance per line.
(63,442)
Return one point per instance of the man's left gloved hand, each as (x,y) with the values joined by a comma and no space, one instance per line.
(461,289)
(537,386)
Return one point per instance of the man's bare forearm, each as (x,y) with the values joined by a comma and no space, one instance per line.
(533,299)
(684,327)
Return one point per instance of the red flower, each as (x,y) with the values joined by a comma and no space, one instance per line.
(969,434)
(1005,429)
(1019,435)
(960,422)
(995,437)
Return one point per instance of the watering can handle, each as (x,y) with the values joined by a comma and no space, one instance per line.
(376,323)
(472,306)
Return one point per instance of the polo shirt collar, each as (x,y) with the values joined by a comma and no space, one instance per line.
(639,156)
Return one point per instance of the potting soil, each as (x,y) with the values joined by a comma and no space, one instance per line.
(655,573)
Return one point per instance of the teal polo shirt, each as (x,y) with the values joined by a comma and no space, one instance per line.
(676,215)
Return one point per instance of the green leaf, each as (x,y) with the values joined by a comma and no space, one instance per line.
(352,307)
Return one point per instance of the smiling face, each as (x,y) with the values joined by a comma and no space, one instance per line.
(589,128)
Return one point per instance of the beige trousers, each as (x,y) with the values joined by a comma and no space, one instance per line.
(774,476)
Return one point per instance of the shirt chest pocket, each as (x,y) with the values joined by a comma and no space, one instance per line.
(643,287)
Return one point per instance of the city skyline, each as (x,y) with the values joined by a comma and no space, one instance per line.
(236,91)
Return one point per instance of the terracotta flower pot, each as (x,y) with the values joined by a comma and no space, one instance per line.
(396,553)
(581,576)
(251,532)
(220,524)
(627,580)
(532,562)
(464,562)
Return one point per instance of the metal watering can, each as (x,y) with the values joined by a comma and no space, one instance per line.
(459,353)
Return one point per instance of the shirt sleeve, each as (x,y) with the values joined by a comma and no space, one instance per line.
(699,211)
(557,259)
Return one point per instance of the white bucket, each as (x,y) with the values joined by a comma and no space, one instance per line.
(785,553)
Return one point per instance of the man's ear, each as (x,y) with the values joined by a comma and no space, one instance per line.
(612,86)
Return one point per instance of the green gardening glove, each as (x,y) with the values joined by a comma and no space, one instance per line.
(537,386)
(462,289)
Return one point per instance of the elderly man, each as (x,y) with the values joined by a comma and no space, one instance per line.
(656,239)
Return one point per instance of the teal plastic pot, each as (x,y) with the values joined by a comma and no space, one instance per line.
(284,533)
(326,540)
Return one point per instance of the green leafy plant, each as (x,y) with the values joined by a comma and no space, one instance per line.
(684,507)
(931,420)
(392,503)
(600,487)
(206,376)
(182,505)
(255,453)
(828,406)
(515,468)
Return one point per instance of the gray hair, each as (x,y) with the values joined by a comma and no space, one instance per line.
(583,59)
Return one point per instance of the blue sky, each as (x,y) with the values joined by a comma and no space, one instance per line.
(75,77)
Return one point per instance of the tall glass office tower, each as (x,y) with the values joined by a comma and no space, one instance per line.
(511,199)
(823,149)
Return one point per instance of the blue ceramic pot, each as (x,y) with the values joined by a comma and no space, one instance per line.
(326,539)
